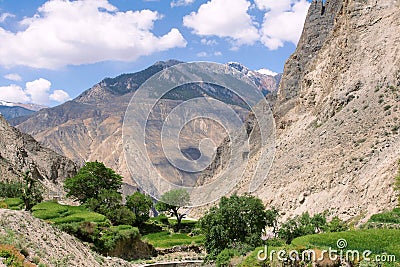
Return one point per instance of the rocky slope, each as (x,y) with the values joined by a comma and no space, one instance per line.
(90,128)
(48,244)
(337,114)
(19,152)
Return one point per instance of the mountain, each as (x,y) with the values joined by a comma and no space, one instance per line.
(11,110)
(337,115)
(265,83)
(19,152)
(89,127)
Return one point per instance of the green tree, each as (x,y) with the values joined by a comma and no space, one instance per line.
(337,225)
(302,225)
(236,223)
(90,180)
(140,205)
(32,192)
(172,201)
(106,201)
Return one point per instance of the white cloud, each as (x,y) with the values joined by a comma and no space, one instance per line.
(59,96)
(283,21)
(217,53)
(225,19)
(5,16)
(202,54)
(176,3)
(13,93)
(65,32)
(267,72)
(13,77)
(37,92)
(211,42)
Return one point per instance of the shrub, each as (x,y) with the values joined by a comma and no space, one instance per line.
(10,189)
(110,237)
(224,257)
(122,216)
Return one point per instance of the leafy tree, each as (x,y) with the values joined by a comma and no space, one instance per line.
(337,225)
(140,205)
(32,192)
(90,180)
(172,201)
(236,222)
(106,202)
(302,225)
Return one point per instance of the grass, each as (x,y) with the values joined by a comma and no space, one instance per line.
(387,217)
(376,240)
(59,214)
(166,239)
(14,203)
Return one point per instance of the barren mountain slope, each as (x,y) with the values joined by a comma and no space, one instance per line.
(19,152)
(338,125)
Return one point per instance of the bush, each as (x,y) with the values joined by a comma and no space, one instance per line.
(306,225)
(122,216)
(110,237)
(224,257)
(10,189)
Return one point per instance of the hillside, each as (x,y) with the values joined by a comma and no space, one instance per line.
(48,244)
(19,152)
(337,114)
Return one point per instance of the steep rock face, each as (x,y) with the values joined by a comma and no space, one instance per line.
(337,115)
(19,152)
(338,146)
(318,25)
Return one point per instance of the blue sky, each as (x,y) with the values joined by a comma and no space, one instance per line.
(51,51)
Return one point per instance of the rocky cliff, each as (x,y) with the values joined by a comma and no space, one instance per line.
(19,152)
(337,114)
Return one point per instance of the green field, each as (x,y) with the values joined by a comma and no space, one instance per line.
(376,240)
(166,239)
(60,214)
(379,241)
